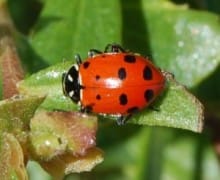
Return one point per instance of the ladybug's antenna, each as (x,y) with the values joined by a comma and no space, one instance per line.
(93,52)
(78,59)
(114,48)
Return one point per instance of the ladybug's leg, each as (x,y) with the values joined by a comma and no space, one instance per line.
(83,109)
(78,59)
(93,52)
(114,48)
(121,120)
(86,109)
(153,108)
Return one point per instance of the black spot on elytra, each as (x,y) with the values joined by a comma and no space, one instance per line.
(132,109)
(98,97)
(122,73)
(97,77)
(123,99)
(86,64)
(148,94)
(129,58)
(147,73)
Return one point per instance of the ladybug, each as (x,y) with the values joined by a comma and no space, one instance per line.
(114,82)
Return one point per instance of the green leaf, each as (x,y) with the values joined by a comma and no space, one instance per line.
(48,82)
(64,138)
(177,107)
(58,133)
(66,164)
(184,42)
(11,158)
(76,28)
(16,112)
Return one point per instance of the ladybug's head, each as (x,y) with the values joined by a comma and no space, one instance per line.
(71,85)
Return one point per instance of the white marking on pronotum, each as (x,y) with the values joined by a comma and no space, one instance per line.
(76,66)
(70,78)
(71,93)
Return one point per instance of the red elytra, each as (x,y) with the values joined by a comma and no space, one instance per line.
(113,82)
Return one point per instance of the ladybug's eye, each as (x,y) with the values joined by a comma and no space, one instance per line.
(71,86)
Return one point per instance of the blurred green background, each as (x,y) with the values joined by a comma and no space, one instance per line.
(182,37)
